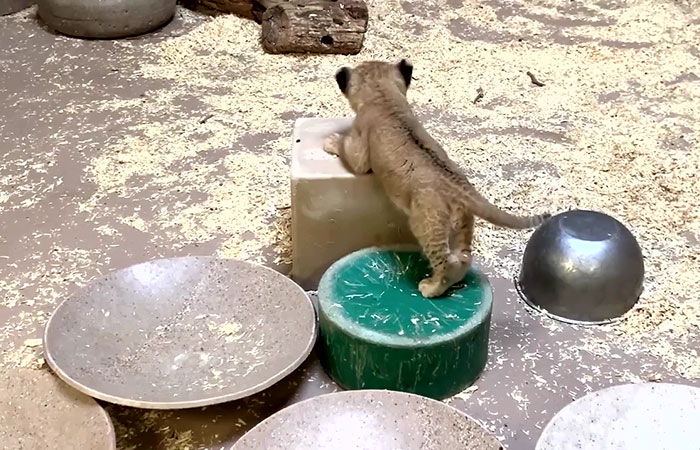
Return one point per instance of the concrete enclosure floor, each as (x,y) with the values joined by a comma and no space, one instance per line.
(178,143)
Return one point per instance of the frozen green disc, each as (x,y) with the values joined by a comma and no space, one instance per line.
(379,332)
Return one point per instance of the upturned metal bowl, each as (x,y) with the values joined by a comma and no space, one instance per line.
(582,267)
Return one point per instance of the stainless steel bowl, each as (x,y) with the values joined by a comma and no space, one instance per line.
(582,267)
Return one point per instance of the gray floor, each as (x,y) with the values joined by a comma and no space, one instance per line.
(51,242)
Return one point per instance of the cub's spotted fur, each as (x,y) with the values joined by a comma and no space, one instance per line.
(414,170)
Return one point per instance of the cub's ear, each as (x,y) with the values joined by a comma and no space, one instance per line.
(342,77)
(406,70)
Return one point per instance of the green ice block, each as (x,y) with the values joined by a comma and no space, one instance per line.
(378,332)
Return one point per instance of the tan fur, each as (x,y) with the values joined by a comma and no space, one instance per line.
(414,170)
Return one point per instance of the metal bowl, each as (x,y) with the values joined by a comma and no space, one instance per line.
(582,267)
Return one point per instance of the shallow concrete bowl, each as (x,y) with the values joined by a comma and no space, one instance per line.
(105,19)
(39,411)
(12,6)
(644,416)
(368,420)
(181,333)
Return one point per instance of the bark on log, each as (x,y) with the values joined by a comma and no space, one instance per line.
(312,26)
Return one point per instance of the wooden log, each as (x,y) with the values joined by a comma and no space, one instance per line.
(312,26)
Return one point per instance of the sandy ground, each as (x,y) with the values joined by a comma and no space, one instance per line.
(178,142)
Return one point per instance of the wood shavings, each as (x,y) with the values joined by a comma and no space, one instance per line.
(136,222)
(229,331)
(33,342)
(178,440)
(618,132)
(23,357)
(230,328)
(283,238)
(466,394)
(29,292)
(131,424)
(11,295)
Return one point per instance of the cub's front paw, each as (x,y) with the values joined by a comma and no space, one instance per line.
(332,144)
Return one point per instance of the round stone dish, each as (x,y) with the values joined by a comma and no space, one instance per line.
(368,420)
(181,333)
(647,416)
(13,6)
(38,411)
(105,19)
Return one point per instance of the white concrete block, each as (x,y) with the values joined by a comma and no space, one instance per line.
(333,211)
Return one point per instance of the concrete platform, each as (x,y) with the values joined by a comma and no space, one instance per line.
(334,212)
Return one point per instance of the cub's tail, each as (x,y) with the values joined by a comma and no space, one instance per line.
(481,207)
(501,218)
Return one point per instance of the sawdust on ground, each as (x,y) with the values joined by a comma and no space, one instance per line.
(583,152)
(615,128)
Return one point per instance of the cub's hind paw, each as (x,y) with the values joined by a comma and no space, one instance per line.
(431,288)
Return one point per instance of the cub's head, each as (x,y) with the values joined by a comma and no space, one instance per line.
(362,82)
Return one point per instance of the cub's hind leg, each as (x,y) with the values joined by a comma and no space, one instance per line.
(460,246)
(430,223)
(463,237)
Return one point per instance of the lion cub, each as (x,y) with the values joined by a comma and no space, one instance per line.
(414,170)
